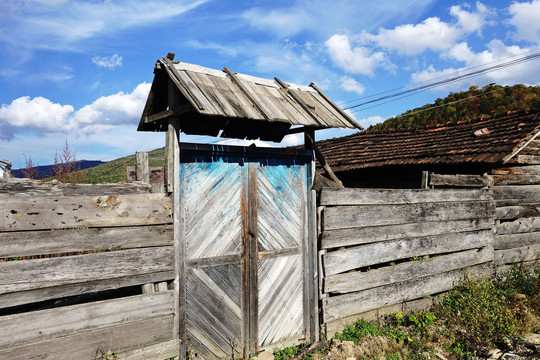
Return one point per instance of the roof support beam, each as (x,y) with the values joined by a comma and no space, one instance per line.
(238,83)
(522,146)
(309,109)
(162,115)
(338,109)
(177,79)
(322,161)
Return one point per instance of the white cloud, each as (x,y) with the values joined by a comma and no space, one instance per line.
(109,62)
(240,142)
(357,60)
(44,116)
(351,85)
(283,22)
(120,108)
(371,120)
(430,34)
(39,25)
(470,22)
(321,18)
(410,39)
(37,113)
(525,17)
(292,140)
(497,53)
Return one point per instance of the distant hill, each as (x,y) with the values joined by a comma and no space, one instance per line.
(467,105)
(115,171)
(46,170)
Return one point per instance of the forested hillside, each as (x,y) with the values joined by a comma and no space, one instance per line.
(467,105)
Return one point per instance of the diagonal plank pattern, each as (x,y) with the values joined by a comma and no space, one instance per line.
(280,214)
(213,309)
(280,299)
(213,209)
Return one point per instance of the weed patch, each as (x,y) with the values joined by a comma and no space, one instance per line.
(476,316)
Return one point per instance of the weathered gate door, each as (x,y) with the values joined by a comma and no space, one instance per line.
(245,227)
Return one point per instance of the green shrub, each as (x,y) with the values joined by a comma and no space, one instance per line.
(484,313)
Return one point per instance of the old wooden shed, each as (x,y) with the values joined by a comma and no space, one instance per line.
(397,158)
(244,216)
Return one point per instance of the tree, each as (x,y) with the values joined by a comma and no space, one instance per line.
(66,169)
(30,170)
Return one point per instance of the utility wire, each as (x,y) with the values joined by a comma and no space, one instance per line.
(452,79)
(437,77)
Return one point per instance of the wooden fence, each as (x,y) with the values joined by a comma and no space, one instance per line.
(386,250)
(516,194)
(85,272)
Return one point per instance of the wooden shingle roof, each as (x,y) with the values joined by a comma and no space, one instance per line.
(208,101)
(492,140)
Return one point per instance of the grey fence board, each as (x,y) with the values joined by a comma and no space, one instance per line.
(516,192)
(79,288)
(516,212)
(522,225)
(83,211)
(13,244)
(67,320)
(356,281)
(354,196)
(162,350)
(366,235)
(28,189)
(336,307)
(91,344)
(509,241)
(520,254)
(377,215)
(352,258)
(31,274)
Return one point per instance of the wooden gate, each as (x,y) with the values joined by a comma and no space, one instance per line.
(248,270)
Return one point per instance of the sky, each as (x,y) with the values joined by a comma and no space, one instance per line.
(80,71)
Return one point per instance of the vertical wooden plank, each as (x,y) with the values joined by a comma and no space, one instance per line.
(253,258)
(141,167)
(169,161)
(179,236)
(148,288)
(245,266)
(309,137)
(312,266)
(425,180)
(161,286)
(306,206)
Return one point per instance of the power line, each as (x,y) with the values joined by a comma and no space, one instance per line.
(452,79)
(437,77)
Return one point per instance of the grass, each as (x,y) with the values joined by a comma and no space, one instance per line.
(476,316)
(114,171)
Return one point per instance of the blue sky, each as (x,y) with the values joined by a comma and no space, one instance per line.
(81,71)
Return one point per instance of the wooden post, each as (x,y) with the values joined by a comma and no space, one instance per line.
(169,161)
(173,181)
(141,167)
(309,137)
(425,180)
(324,164)
(142,174)
(253,282)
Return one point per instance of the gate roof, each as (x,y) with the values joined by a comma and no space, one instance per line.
(222,103)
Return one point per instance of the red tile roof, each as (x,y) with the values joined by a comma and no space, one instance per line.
(487,141)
